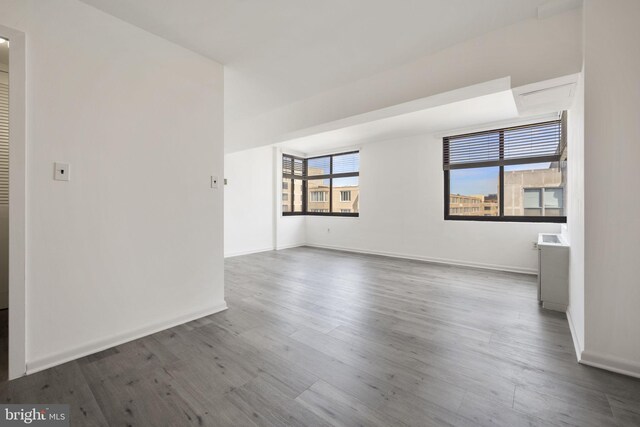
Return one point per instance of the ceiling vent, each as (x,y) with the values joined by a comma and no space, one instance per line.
(546,96)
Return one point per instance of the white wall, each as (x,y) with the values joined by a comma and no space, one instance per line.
(253,208)
(291,231)
(575,217)
(528,52)
(402,214)
(612,153)
(249,201)
(134,242)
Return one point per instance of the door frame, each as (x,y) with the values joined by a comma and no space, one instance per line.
(17,201)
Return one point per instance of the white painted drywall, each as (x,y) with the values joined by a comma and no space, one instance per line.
(529,51)
(574,231)
(612,175)
(402,214)
(253,220)
(134,242)
(291,231)
(249,201)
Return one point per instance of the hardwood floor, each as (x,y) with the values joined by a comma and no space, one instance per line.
(317,338)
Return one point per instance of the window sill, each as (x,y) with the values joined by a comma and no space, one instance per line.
(353,215)
(534,219)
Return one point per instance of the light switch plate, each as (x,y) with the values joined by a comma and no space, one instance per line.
(61,171)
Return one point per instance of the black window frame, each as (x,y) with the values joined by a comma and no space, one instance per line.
(558,157)
(305,178)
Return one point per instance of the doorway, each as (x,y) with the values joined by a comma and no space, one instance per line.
(4,207)
(13,190)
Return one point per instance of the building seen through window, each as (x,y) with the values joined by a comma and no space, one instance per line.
(329,185)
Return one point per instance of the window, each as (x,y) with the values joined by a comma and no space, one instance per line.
(532,201)
(474,187)
(534,189)
(325,185)
(286,196)
(318,196)
(298,199)
(543,201)
(345,194)
(318,199)
(510,174)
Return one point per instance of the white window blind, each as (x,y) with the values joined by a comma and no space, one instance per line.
(4,144)
(539,142)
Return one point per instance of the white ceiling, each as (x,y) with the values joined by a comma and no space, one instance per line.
(457,115)
(469,109)
(281,51)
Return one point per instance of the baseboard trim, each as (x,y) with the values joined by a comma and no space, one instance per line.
(257,251)
(574,336)
(562,308)
(610,363)
(443,261)
(293,245)
(249,252)
(105,343)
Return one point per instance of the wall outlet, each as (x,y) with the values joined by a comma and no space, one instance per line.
(214,181)
(61,171)
(534,246)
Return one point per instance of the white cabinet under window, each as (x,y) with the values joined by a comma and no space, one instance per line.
(553,272)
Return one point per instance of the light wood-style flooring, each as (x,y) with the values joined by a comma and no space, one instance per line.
(319,338)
